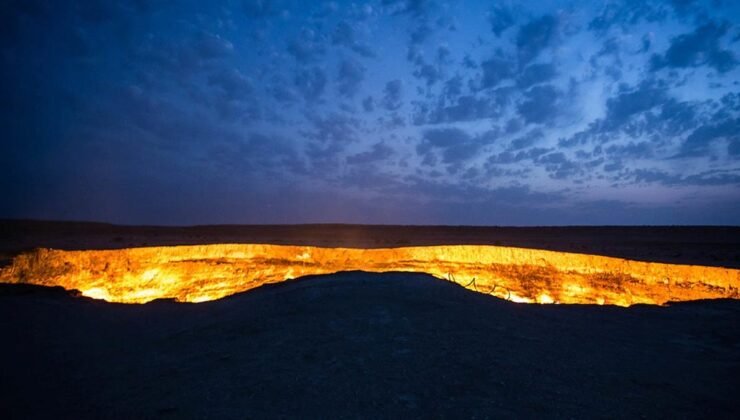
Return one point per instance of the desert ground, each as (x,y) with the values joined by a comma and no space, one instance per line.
(702,245)
(366,345)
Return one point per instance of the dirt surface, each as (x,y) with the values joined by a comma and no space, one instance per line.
(714,246)
(364,345)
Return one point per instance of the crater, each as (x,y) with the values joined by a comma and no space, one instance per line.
(199,273)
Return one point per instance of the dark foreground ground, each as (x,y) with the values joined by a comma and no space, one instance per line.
(702,245)
(364,345)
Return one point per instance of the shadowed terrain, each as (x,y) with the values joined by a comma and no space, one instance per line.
(383,345)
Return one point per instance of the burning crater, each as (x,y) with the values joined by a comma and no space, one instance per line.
(207,272)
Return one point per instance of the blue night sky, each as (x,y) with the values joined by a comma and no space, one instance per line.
(386,111)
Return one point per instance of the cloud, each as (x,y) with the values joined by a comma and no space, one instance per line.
(632,102)
(699,141)
(311,83)
(614,166)
(415,8)
(364,50)
(471,205)
(330,135)
(645,124)
(428,73)
(625,13)
(454,144)
(682,6)
(156,130)
(163,124)
(707,178)
(733,148)
(509,157)
(463,108)
(379,152)
(495,70)
(731,101)
(431,73)
(535,74)
(282,93)
(453,87)
(442,138)
(307,47)
(535,36)
(232,83)
(646,110)
(675,118)
(260,8)
(500,19)
(246,92)
(181,57)
(631,150)
(527,140)
(698,48)
(234,106)
(540,104)
(421,33)
(393,121)
(392,95)
(269,156)
(368,104)
(211,46)
(558,165)
(351,74)
(345,35)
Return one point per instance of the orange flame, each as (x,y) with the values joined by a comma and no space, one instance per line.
(207,272)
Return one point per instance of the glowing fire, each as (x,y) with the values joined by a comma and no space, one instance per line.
(207,272)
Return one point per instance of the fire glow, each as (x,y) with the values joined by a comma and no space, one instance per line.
(207,272)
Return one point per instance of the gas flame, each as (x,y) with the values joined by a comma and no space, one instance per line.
(207,272)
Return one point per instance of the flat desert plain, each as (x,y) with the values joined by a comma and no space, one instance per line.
(701,245)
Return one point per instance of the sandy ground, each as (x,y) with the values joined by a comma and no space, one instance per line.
(715,246)
(364,345)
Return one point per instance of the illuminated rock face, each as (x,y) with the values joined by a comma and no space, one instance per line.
(207,272)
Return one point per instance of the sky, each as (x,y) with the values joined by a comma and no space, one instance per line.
(384,112)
